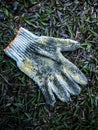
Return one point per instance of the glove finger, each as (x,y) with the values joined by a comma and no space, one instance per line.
(71,71)
(59,89)
(48,94)
(70,85)
(63,44)
(74,73)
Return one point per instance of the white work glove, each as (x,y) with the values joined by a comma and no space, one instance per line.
(41,59)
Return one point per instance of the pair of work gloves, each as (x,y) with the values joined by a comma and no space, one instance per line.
(40,58)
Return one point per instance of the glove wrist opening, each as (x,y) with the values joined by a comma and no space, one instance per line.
(17,47)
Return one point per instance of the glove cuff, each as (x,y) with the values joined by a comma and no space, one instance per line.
(17,48)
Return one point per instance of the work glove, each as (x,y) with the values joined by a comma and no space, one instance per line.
(40,58)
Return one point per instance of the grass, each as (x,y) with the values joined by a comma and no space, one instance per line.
(22,105)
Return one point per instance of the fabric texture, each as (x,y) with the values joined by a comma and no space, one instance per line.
(40,58)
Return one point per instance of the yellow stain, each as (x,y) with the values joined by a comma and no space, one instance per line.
(28,67)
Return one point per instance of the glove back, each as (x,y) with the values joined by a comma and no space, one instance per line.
(40,58)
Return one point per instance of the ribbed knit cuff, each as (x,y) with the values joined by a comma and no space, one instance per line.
(17,48)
